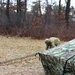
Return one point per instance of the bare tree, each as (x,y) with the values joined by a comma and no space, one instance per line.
(67,12)
(59,7)
(7,9)
(19,12)
(48,14)
(8,27)
(39,8)
(25,10)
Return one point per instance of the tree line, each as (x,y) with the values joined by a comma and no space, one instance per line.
(15,20)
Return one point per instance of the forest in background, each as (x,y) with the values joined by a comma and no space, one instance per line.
(57,20)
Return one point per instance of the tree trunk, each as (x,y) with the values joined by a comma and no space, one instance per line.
(25,10)
(7,9)
(67,12)
(48,14)
(39,9)
(59,7)
(19,12)
(19,6)
(8,27)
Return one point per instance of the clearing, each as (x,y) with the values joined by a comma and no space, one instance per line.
(14,47)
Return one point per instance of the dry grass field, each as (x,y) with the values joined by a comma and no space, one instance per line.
(13,47)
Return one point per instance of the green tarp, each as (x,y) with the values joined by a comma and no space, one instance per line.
(59,60)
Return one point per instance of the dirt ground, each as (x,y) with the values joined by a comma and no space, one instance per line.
(29,66)
(12,48)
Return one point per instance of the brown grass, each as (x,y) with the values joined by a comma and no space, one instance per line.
(13,47)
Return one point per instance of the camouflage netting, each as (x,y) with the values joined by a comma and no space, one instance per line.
(59,60)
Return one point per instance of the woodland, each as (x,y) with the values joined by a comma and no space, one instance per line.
(43,20)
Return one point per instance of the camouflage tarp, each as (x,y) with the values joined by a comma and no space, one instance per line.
(59,60)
